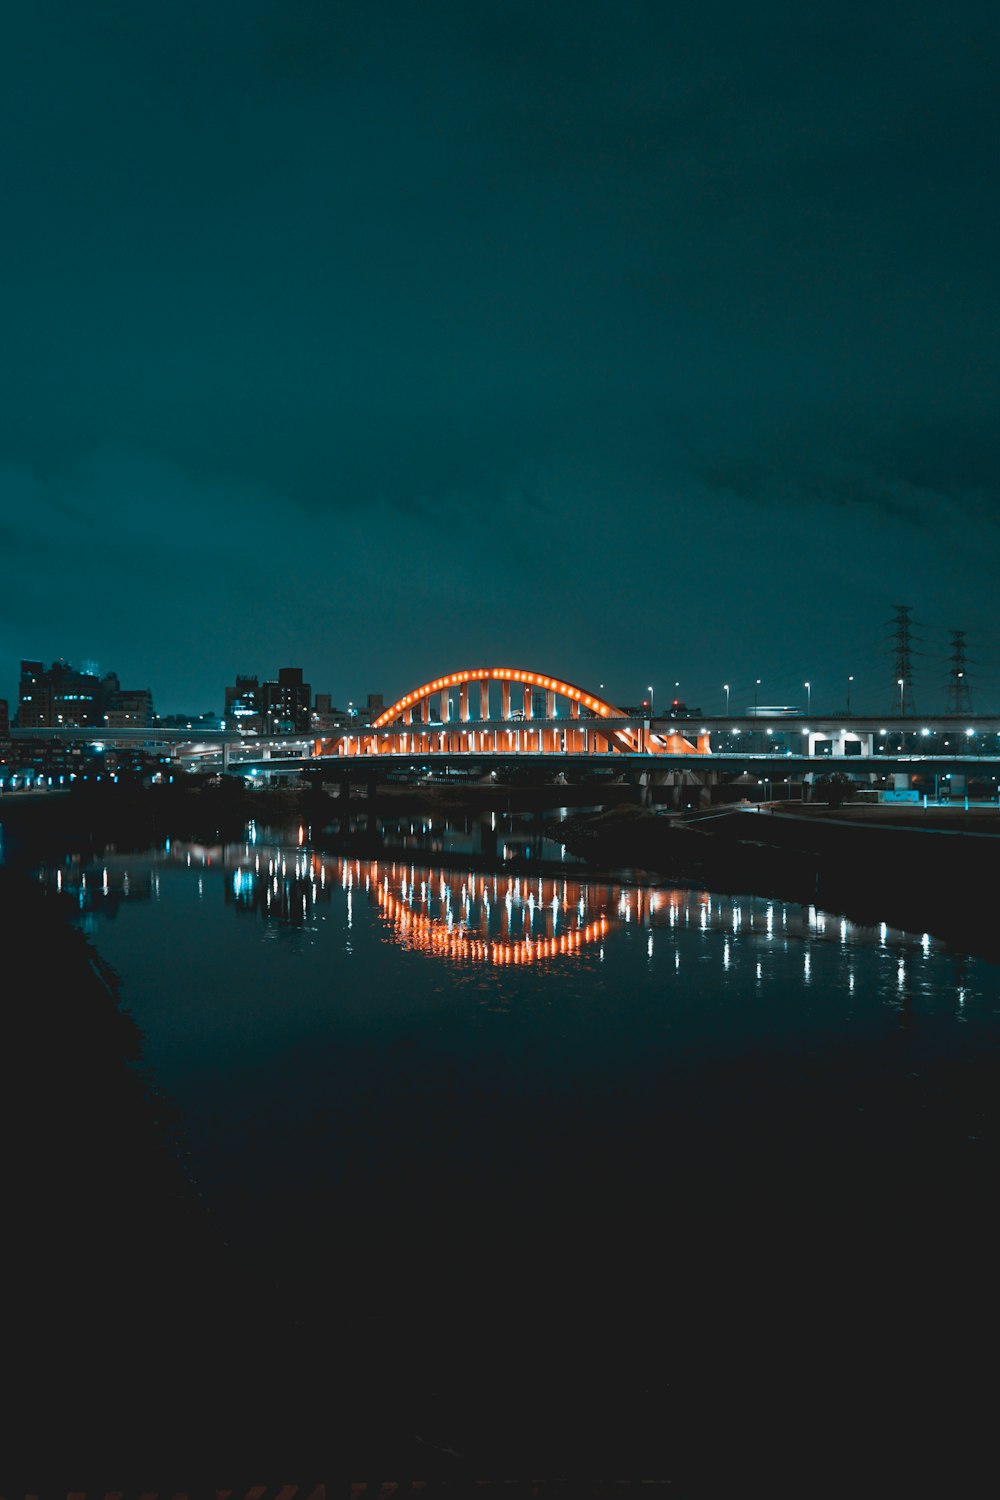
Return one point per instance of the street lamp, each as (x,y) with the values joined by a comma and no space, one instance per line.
(755,687)
(899,684)
(849,681)
(725,687)
(650,691)
(808,688)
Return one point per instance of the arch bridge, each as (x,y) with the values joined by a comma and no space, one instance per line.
(506,710)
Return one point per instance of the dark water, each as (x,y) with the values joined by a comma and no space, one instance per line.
(564,1175)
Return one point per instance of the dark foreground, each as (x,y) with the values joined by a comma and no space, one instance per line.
(832,1318)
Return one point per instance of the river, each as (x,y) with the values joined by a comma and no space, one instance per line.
(550,1171)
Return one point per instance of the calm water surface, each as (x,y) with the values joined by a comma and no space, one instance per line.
(544,1154)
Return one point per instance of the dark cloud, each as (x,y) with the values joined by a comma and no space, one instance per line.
(370,336)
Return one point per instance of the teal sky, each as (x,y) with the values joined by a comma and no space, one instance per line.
(635,343)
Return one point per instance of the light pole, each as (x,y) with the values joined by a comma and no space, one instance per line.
(808,688)
(849,681)
(725,688)
(755,687)
(650,691)
(899,684)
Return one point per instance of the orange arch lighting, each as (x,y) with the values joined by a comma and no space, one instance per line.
(427,934)
(597,706)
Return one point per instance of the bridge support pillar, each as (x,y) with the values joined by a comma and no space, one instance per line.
(528,701)
(463,703)
(505,700)
(484,698)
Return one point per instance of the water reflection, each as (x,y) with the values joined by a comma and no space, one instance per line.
(497,920)
(467,916)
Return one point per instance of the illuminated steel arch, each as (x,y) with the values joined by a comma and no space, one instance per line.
(592,725)
(486,675)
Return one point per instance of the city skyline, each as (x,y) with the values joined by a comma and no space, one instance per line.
(650,346)
(841,693)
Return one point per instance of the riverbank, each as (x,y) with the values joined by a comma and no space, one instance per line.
(919,874)
(143,1352)
(112,1265)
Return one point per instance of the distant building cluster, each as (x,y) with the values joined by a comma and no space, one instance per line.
(64,696)
(285,705)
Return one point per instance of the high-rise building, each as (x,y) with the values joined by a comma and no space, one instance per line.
(285,704)
(60,696)
(129,708)
(243,703)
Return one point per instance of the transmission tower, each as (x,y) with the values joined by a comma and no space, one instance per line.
(903,653)
(959,689)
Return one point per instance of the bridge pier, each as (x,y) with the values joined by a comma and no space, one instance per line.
(840,740)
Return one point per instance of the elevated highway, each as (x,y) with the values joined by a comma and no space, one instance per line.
(501,722)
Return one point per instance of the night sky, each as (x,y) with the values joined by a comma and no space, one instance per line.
(630,342)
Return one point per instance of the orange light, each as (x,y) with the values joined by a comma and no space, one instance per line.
(496,674)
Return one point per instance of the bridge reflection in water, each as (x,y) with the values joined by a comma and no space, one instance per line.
(466,917)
